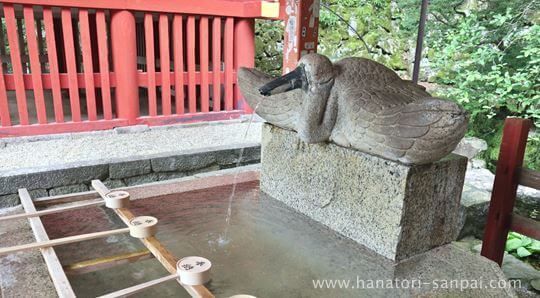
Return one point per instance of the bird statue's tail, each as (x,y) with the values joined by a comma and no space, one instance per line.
(435,125)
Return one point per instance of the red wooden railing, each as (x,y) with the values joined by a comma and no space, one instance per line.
(53,59)
(508,176)
(72,65)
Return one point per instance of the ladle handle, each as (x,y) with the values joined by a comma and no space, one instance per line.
(61,241)
(139,287)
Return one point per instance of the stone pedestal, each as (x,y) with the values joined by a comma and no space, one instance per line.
(394,209)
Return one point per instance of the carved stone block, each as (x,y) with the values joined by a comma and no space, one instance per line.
(394,209)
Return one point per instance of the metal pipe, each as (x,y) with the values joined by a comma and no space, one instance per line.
(420,40)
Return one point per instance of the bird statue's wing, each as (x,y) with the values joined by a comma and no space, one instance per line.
(424,130)
(281,109)
(405,123)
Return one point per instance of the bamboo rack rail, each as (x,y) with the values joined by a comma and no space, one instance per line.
(166,258)
(56,271)
(52,211)
(140,287)
(58,276)
(61,241)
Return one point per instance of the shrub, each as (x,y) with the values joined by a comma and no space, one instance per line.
(492,67)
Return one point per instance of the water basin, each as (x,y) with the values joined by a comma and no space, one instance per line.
(268,250)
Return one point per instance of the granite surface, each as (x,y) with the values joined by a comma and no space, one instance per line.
(394,209)
(451,271)
(76,177)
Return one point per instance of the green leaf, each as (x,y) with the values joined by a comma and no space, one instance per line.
(512,244)
(525,241)
(513,235)
(522,252)
(535,246)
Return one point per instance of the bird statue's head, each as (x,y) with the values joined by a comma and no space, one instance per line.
(313,71)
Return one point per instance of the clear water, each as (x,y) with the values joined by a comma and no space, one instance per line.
(272,250)
(224,238)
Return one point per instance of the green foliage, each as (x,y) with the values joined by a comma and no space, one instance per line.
(363,28)
(522,246)
(491,61)
(269,46)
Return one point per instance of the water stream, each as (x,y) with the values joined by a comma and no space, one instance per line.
(224,237)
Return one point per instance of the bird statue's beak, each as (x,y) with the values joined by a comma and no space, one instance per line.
(290,81)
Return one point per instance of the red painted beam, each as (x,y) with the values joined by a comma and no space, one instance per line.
(71,64)
(301,31)
(49,80)
(53,128)
(505,186)
(87,57)
(233,8)
(525,226)
(5,118)
(228,52)
(190,117)
(150,64)
(142,79)
(51,39)
(15,55)
(529,178)
(165,64)
(203,57)
(244,55)
(190,52)
(35,65)
(103,50)
(216,64)
(178,45)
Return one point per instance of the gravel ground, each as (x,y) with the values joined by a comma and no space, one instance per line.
(140,141)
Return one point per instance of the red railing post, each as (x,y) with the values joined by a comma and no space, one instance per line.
(301,30)
(505,186)
(124,56)
(244,55)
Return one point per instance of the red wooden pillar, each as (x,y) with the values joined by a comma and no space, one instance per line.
(301,30)
(124,56)
(504,187)
(244,55)
(95,57)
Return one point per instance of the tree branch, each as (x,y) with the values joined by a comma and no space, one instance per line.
(360,37)
(441,19)
(455,7)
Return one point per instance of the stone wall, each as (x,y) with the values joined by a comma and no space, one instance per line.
(476,193)
(72,178)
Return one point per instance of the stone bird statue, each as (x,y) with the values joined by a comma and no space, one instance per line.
(360,104)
